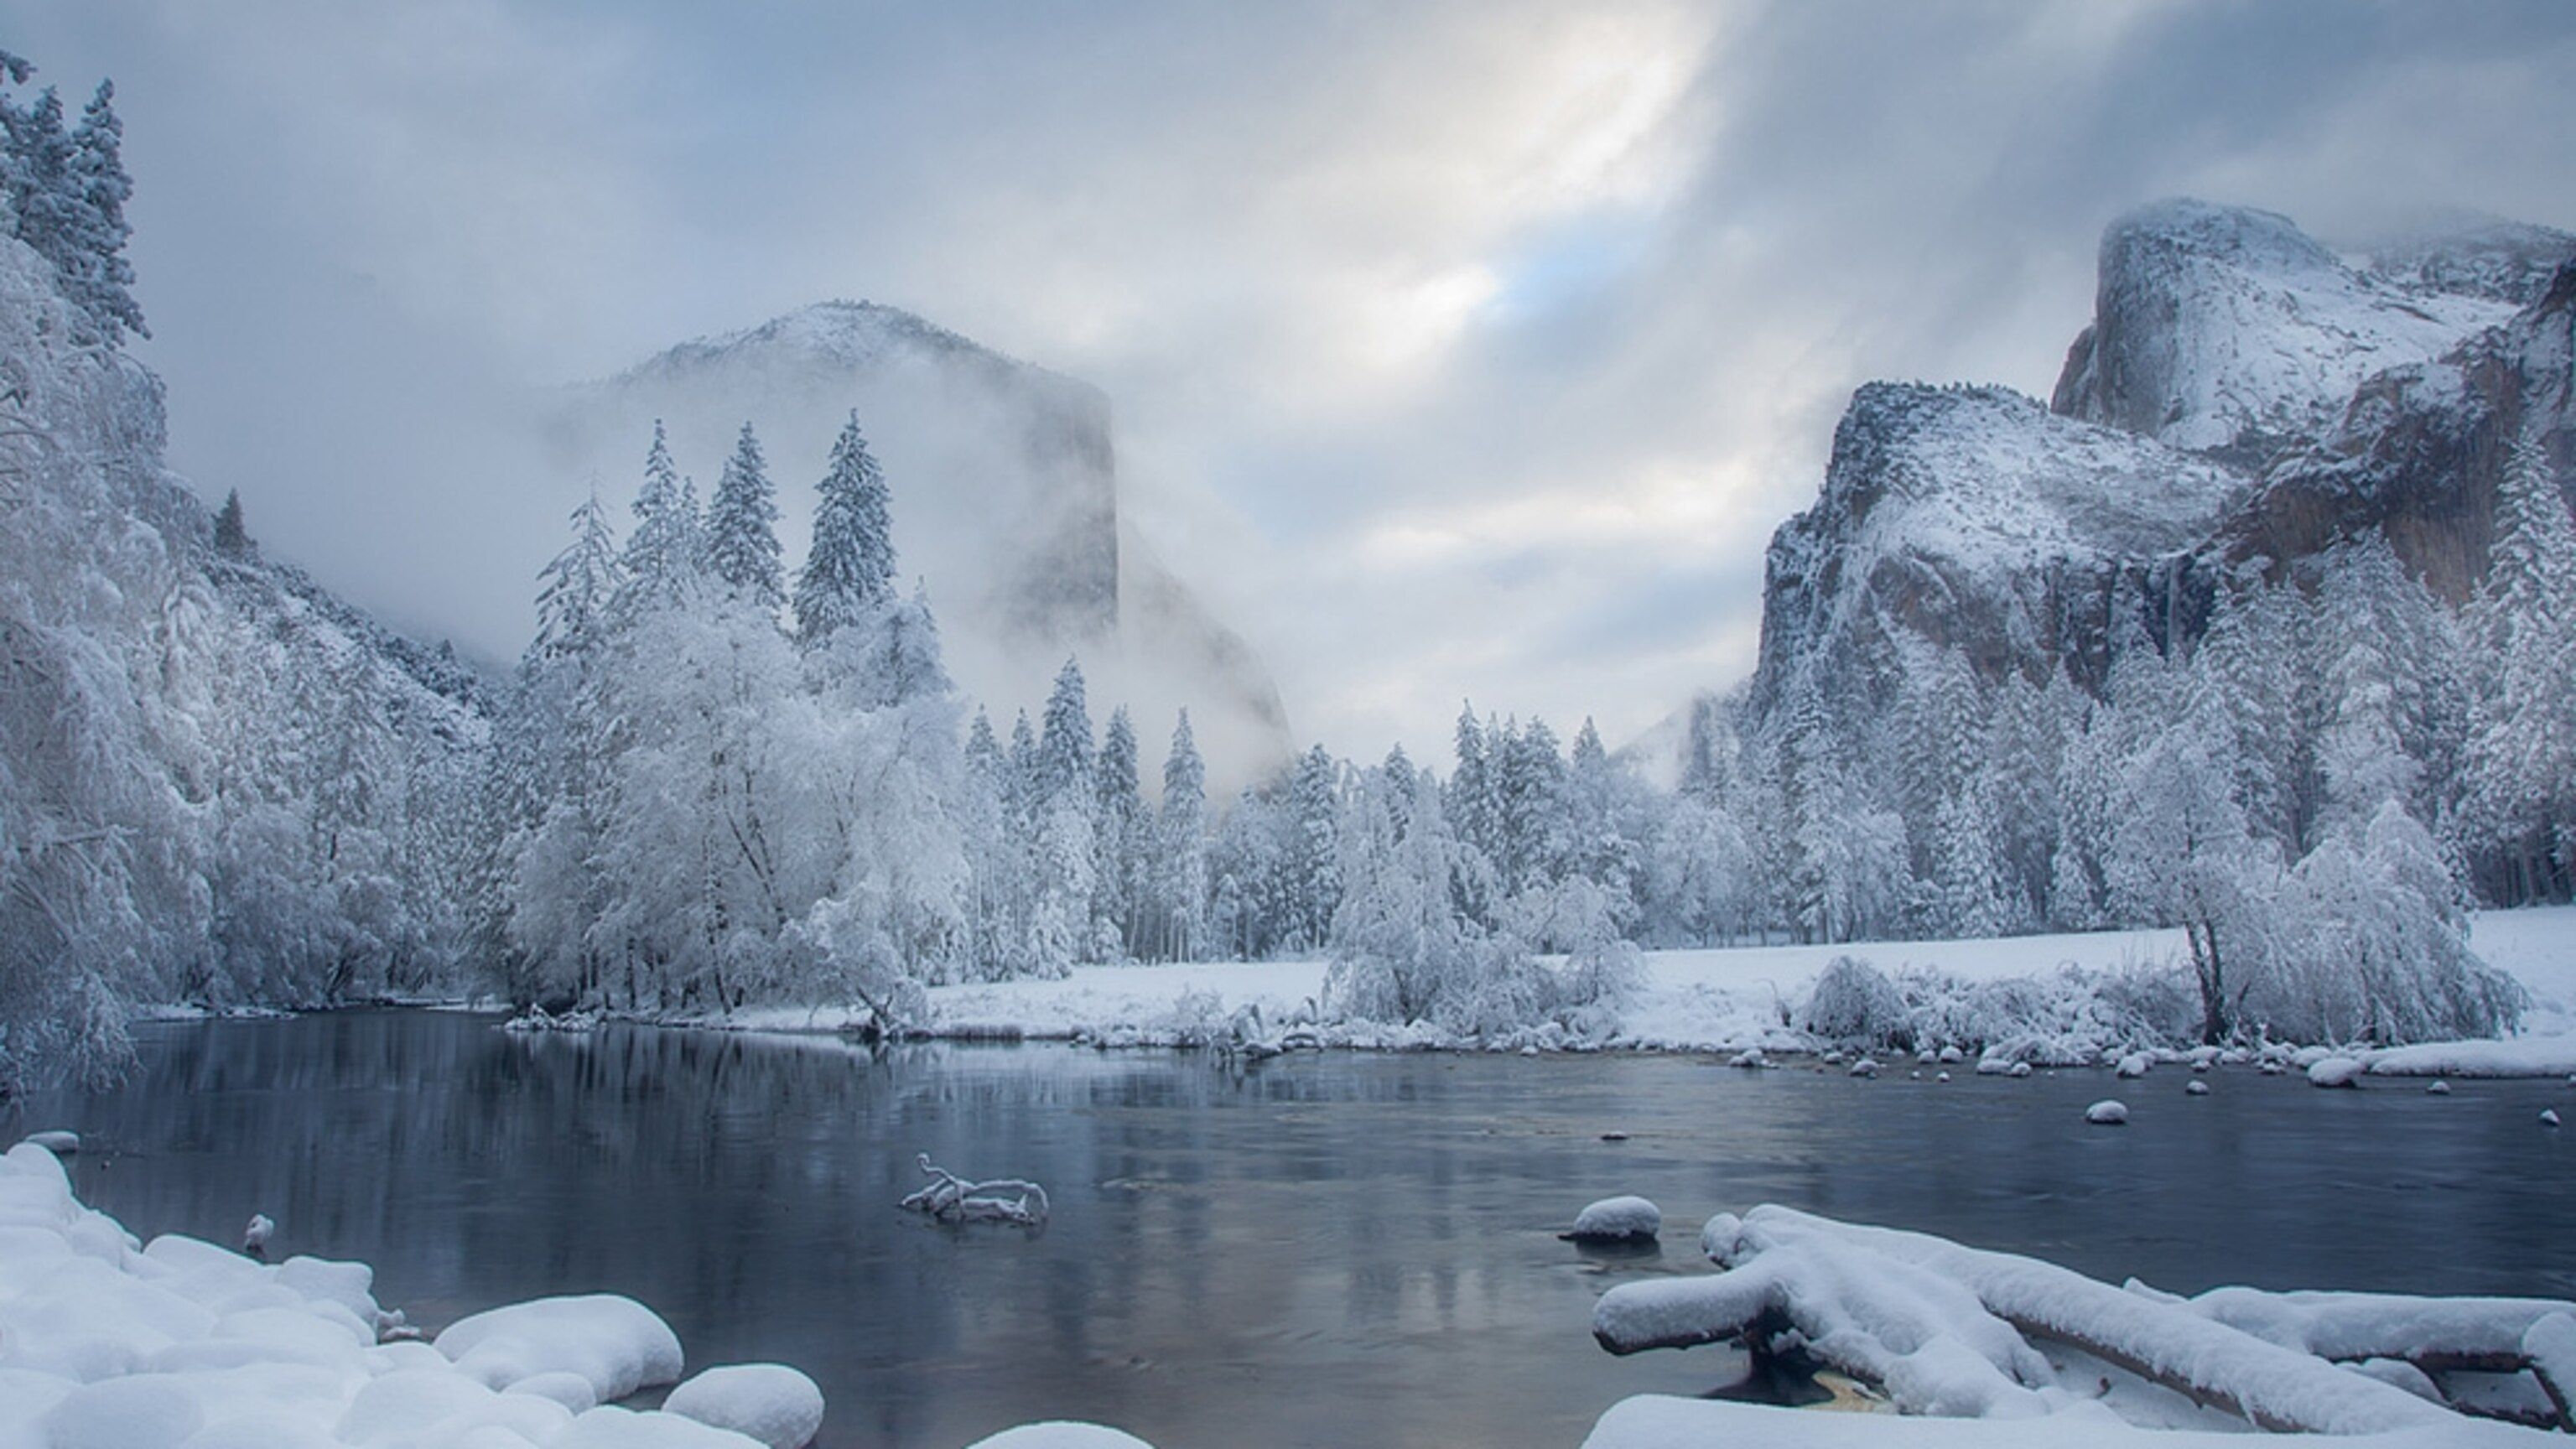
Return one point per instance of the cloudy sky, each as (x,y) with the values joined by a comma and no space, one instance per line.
(1458,349)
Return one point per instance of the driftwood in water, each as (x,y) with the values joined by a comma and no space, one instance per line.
(953,1199)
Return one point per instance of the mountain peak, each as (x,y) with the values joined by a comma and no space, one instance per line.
(2228,331)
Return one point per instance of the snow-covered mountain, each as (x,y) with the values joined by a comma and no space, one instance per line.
(1004,496)
(2242,396)
(1974,519)
(2225,328)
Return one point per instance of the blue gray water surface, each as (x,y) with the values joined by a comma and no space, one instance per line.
(1336,1249)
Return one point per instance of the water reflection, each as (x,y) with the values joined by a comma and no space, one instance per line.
(1319,1250)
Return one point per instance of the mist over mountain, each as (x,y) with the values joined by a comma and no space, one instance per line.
(1004,492)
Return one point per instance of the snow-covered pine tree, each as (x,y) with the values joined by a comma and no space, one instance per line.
(662,554)
(232,538)
(574,588)
(849,569)
(100,278)
(1064,833)
(1180,877)
(1120,840)
(742,528)
(1310,866)
(2521,755)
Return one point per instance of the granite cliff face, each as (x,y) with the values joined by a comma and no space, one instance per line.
(2226,330)
(1005,498)
(2243,397)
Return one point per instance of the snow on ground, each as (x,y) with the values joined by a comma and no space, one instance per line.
(1704,1000)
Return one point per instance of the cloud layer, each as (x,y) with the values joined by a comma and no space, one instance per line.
(1459,350)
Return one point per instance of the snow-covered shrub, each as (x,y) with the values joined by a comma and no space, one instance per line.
(1854,1001)
(2373,946)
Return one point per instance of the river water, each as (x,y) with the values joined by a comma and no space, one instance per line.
(1334,1249)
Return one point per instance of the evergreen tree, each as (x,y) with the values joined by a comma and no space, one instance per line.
(661,556)
(742,528)
(100,278)
(231,538)
(1064,742)
(576,586)
(849,570)
(2522,740)
(1181,875)
(1310,867)
(1120,839)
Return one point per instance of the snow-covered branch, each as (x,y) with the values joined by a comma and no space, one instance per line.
(953,1199)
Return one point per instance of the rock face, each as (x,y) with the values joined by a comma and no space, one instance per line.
(2221,329)
(1974,519)
(2419,450)
(2242,397)
(1004,490)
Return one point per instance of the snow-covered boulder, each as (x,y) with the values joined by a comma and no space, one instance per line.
(2195,1088)
(2108,1113)
(769,1402)
(122,1413)
(2135,1064)
(616,1343)
(2548,1116)
(58,1141)
(610,1427)
(2439,1088)
(1060,1434)
(1617,1220)
(2335,1072)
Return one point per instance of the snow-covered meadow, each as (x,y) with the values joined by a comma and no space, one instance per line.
(2050,998)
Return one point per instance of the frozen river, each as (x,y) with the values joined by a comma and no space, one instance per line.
(1318,1250)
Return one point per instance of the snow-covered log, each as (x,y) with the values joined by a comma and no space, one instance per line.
(953,1199)
(1947,1329)
(1654,1421)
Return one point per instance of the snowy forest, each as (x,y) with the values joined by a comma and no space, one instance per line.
(716,778)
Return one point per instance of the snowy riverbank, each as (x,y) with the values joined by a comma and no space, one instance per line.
(107,1342)
(1717,1000)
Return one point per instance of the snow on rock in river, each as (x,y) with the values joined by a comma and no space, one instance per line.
(2107,1113)
(1617,1220)
(2335,1072)
(615,1343)
(1657,1422)
(1061,1434)
(107,1344)
(2522,1056)
(770,1402)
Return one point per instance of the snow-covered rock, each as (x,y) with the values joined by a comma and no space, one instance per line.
(1060,1434)
(2220,327)
(617,1344)
(766,1401)
(1617,1220)
(2439,1088)
(2108,1112)
(2335,1072)
(2135,1064)
(57,1141)
(2548,1116)
(2195,1088)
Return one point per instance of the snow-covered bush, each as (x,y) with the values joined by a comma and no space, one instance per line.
(1854,1001)
(2372,946)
